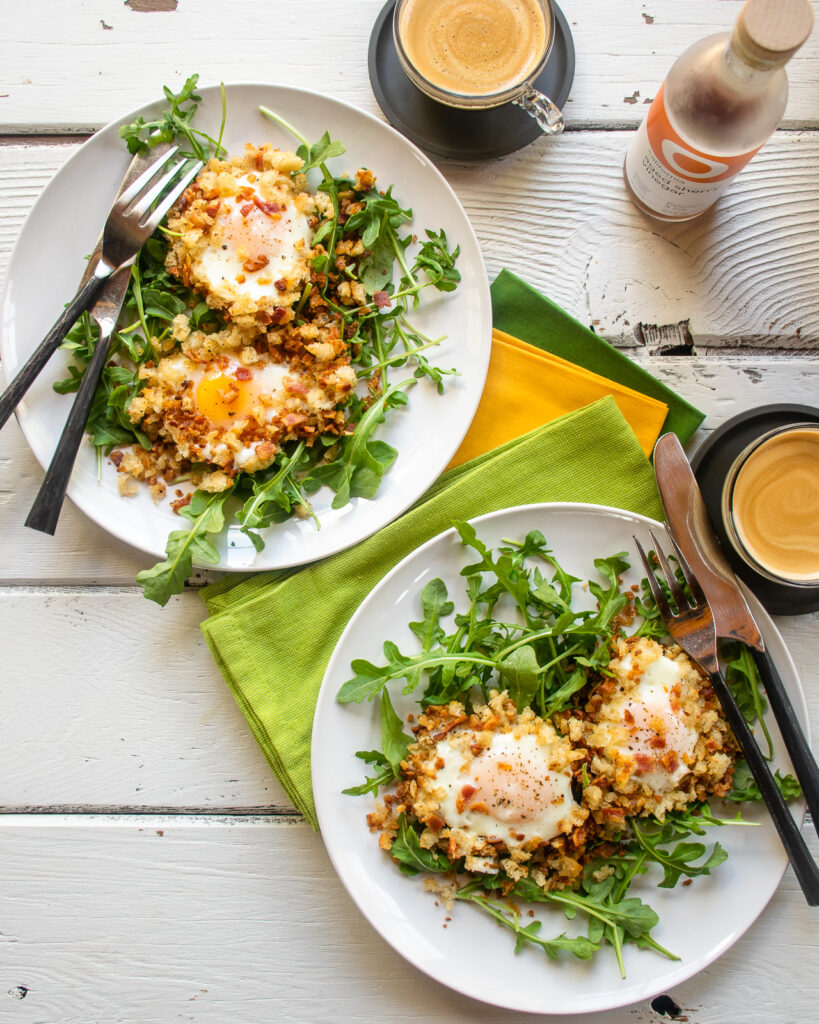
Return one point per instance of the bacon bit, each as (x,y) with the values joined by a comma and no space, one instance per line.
(670,760)
(294,419)
(242,373)
(280,285)
(479,807)
(259,160)
(520,836)
(711,746)
(381,299)
(256,263)
(245,210)
(658,742)
(265,450)
(463,797)
(449,727)
(240,279)
(613,812)
(627,715)
(439,762)
(279,315)
(645,762)
(116,458)
(435,822)
(468,791)
(294,385)
(213,208)
(267,207)
(181,503)
(264,318)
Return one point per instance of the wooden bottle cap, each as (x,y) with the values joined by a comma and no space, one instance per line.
(769,32)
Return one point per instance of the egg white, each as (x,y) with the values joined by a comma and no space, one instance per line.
(525,799)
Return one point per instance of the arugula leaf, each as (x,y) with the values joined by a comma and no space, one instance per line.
(394,740)
(374,783)
(175,124)
(435,606)
(519,675)
(319,153)
(678,860)
(745,787)
(406,849)
(742,676)
(207,517)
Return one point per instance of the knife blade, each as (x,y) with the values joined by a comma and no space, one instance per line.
(691,529)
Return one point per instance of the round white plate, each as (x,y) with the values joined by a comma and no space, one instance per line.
(62,229)
(473,954)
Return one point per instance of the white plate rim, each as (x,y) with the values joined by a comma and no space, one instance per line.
(675,973)
(433,465)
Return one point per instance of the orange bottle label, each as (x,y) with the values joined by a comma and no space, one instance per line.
(680,157)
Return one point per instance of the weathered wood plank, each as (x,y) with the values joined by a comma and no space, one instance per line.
(167,920)
(63,65)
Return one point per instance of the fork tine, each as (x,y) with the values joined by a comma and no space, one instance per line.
(690,578)
(152,222)
(677,591)
(145,200)
(656,590)
(139,183)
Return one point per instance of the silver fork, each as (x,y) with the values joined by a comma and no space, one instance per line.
(131,222)
(692,626)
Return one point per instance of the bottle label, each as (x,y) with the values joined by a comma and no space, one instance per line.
(669,175)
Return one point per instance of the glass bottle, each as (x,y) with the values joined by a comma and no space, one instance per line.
(721,101)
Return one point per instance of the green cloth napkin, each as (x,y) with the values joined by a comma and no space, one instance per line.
(520,310)
(272,634)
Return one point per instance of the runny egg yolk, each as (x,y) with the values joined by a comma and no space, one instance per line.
(226,397)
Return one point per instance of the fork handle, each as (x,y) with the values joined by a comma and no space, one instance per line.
(804,866)
(803,761)
(52,341)
(49,501)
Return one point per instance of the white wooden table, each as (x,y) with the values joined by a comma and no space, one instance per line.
(151,868)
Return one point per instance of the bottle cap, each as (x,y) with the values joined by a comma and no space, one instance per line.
(769,32)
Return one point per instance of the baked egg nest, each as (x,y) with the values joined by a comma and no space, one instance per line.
(497,790)
(277,368)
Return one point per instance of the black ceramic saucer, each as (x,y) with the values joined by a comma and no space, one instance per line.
(462,134)
(711,463)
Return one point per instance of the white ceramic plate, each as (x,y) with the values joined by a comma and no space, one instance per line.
(473,954)
(62,229)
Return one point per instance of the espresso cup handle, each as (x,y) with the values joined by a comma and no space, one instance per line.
(541,108)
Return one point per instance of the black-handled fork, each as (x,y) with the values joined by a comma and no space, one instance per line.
(132,220)
(692,626)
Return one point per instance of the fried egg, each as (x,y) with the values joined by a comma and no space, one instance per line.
(241,235)
(643,727)
(235,415)
(509,791)
(256,247)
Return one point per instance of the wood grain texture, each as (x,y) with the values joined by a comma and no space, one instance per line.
(172,920)
(62,64)
(557,214)
(114,702)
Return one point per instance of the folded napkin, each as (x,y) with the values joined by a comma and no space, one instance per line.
(272,635)
(520,310)
(527,387)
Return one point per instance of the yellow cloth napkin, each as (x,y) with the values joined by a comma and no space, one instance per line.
(527,387)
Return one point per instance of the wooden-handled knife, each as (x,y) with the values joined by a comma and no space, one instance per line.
(690,526)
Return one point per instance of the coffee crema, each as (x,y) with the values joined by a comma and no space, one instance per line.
(775,505)
(473,47)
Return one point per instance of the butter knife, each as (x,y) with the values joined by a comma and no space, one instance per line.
(691,529)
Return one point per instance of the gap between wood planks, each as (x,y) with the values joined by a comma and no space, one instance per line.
(139,811)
